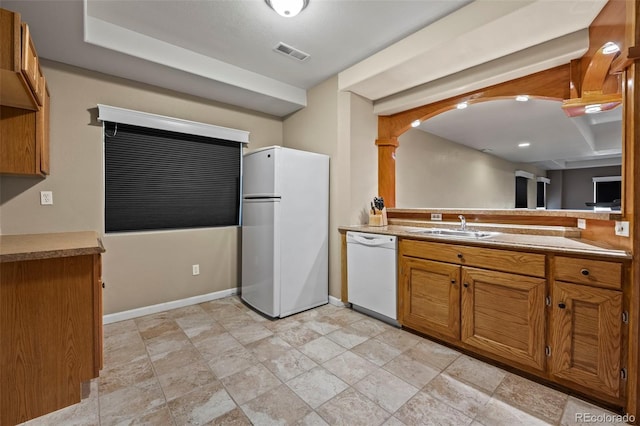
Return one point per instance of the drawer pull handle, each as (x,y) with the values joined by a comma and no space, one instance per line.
(584,272)
(561,305)
(453,281)
(465,285)
(459,255)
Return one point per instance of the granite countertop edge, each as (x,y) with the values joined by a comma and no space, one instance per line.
(540,243)
(16,248)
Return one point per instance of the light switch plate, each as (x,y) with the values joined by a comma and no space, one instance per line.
(46,198)
(622,228)
(195,269)
(436,216)
(582,224)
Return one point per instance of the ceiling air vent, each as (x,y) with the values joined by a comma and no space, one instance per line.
(291,52)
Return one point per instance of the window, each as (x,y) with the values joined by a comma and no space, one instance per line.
(607,192)
(161,179)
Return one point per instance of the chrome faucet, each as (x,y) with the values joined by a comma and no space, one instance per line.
(463,223)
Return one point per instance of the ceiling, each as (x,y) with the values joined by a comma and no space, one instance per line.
(555,140)
(222,49)
(398,54)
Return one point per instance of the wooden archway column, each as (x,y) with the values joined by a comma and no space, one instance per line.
(386,169)
(551,84)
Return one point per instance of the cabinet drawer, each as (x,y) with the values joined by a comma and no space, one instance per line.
(500,260)
(586,271)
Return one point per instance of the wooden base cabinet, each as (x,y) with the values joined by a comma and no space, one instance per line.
(504,314)
(51,328)
(586,336)
(554,316)
(431,296)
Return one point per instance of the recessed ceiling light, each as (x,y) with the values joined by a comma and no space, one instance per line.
(592,109)
(415,123)
(522,98)
(487,150)
(610,47)
(462,105)
(524,144)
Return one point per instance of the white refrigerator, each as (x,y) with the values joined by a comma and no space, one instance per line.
(285,230)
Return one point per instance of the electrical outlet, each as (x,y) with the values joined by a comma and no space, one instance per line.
(582,224)
(46,198)
(622,228)
(436,216)
(195,269)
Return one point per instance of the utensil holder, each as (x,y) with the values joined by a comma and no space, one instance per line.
(379,219)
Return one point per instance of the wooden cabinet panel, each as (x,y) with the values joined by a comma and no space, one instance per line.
(18,153)
(16,91)
(500,260)
(586,332)
(586,271)
(504,314)
(430,297)
(42,133)
(24,100)
(48,324)
(30,66)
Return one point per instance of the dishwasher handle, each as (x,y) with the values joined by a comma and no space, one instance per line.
(369,240)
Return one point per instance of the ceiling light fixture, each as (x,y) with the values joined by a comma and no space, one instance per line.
(287,8)
(415,123)
(462,105)
(610,47)
(522,98)
(524,144)
(592,109)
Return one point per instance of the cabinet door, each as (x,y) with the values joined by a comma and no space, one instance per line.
(42,135)
(504,314)
(430,297)
(586,324)
(30,66)
(18,150)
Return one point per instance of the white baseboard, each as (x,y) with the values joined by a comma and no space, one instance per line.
(336,302)
(160,307)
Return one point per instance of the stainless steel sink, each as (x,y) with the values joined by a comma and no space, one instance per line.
(454,233)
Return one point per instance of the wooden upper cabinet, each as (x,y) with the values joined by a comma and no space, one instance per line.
(21,77)
(24,102)
(504,314)
(430,297)
(24,149)
(586,336)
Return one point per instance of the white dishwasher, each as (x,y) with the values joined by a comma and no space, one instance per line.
(372,274)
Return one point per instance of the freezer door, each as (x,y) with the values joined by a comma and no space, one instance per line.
(261,255)
(260,173)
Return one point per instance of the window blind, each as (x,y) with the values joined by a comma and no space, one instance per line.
(158,179)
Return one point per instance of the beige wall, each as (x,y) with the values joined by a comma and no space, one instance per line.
(435,172)
(315,129)
(341,125)
(143,268)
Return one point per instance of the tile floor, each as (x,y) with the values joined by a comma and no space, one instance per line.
(221,363)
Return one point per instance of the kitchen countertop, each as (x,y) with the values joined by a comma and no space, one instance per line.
(15,248)
(583,214)
(542,243)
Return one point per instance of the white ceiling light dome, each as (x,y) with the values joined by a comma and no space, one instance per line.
(287,8)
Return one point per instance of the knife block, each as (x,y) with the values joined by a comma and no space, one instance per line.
(379,219)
